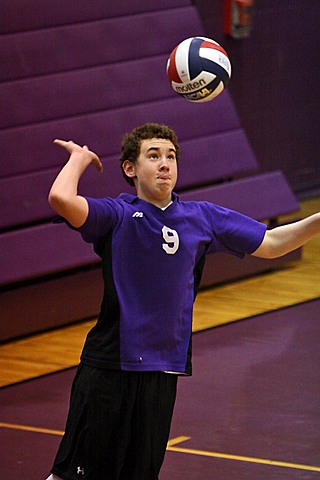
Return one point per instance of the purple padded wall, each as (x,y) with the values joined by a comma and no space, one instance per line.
(17,16)
(30,147)
(88,74)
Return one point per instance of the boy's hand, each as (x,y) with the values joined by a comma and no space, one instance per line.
(74,148)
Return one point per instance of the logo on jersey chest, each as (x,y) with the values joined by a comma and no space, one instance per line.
(137,214)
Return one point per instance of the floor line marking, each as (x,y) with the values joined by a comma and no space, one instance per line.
(172,448)
(28,428)
(240,458)
(175,441)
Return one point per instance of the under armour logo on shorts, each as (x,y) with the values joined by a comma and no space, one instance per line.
(80,471)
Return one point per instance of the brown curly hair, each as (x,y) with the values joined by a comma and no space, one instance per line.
(131,142)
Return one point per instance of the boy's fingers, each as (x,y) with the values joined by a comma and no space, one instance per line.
(100,167)
(70,146)
(63,143)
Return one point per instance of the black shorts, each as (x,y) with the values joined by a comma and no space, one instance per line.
(118,425)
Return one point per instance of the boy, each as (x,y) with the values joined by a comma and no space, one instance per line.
(152,248)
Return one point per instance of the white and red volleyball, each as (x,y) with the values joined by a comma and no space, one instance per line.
(198,69)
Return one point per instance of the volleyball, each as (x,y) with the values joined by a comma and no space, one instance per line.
(198,69)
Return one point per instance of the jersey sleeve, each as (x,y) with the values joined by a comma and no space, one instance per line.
(234,232)
(102,217)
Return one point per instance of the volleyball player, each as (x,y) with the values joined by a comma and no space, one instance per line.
(152,247)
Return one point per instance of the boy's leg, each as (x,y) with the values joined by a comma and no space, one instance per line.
(90,444)
(151,422)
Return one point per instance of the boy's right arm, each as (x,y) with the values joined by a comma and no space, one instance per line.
(63,195)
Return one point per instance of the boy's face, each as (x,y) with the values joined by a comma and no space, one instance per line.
(155,171)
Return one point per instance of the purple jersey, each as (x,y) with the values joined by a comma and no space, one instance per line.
(152,261)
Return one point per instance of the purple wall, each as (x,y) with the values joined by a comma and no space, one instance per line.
(275,85)
(82,75)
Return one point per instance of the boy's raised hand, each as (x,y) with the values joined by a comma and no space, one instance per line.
(73,148)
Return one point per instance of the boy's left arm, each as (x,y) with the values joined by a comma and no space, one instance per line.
(285,238)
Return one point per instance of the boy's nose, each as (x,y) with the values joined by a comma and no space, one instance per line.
(164,163)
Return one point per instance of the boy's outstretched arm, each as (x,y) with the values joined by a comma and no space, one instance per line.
(63,195)
(283,239)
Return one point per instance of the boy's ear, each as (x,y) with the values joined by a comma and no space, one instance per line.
(129,168)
